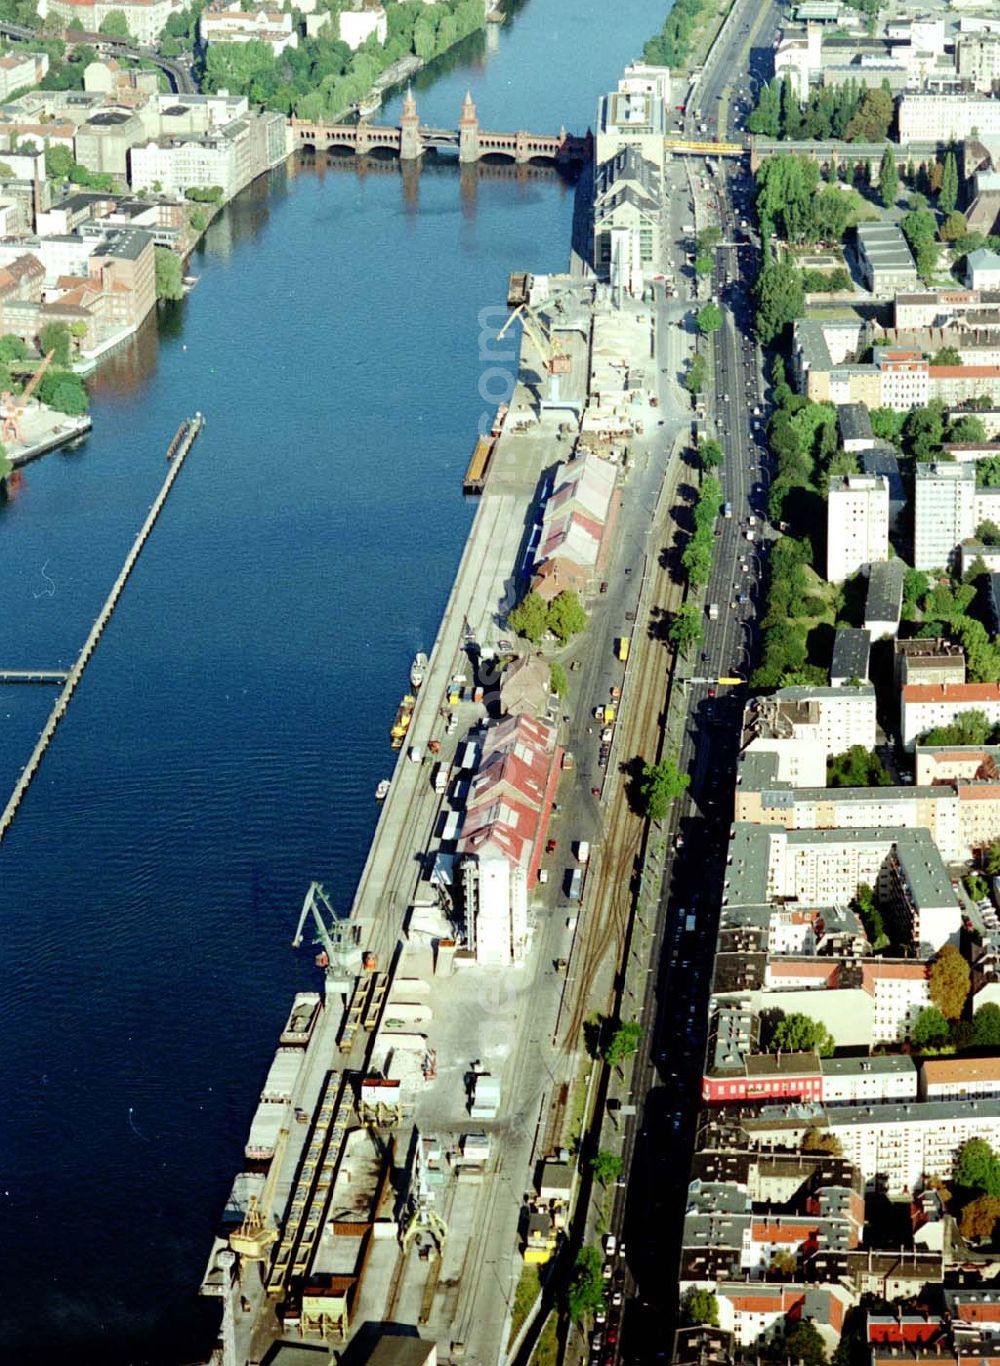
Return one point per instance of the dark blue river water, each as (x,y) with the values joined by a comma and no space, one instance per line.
(224,746)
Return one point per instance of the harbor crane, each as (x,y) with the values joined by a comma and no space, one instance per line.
(420,1214)
(338,939)
(544,340)
(256,1234)
(12,406)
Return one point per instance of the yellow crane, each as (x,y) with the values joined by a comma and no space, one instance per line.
(554,358)
(12,407)
(256,1234)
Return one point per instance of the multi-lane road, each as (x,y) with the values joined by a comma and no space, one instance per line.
(666,1077)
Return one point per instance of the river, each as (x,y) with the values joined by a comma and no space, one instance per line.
(225,744)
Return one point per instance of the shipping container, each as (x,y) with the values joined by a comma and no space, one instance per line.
(442,774)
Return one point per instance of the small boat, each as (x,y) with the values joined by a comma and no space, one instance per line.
(370,104)
(418,669)
(382,791)
(402,722)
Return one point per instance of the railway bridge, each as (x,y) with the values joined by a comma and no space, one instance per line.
(410,140)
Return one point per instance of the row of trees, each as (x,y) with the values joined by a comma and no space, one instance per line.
(533,617)
(956,611)
(672,45)
(322,78)
(847,113)
(697,556)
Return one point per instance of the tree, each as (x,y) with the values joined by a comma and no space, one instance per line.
(888,178)
(558,682)
(709,319)
(857,767)
(703,263)
(986,1026)
(948,355)
(115,25)
(685,629)
(530,618)
(709,453)
(65,392)
(566,617)
(968,428)
(778,297)
(783,1264)
(971,728)
(803,1343)
(586,1289)
(991,859)
(12,348)
(659,785)
(821,1141)
(606,1166)
(953,229)
(979,1218)
(949,982)
(55,337)
(701,1306)
(694,379)
(709,238)
(948,196)
(169,283)
(977,1168)
(58,162)
(988,532)
(623,1044)
(798,1033)
(929,1029)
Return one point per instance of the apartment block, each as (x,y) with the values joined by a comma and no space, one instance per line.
(922,660)
(145,18)
(944,496)
(946,118)
(958,1078)
(857,520)
(927,706)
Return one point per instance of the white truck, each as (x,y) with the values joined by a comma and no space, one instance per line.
(582,851)
(713,611)
(442,774)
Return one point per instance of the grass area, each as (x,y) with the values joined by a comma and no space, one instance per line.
(546,1352)
(528,1285)
(576,1110)
(709,26)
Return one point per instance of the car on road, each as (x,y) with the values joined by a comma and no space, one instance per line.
(551,846)
(604,585)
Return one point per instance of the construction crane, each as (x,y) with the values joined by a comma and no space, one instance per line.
(12,406)
(256,1234)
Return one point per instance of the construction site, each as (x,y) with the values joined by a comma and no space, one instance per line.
(410,1148)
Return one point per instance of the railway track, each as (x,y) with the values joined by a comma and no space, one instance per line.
(643,716)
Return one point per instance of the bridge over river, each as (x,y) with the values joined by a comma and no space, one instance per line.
(411,140)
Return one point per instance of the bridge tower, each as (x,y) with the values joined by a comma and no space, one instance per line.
(468,131)
(410,146)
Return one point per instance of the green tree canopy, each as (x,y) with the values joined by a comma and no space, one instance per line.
(857,767)
(55,337)
(566,617)
(799,1033)
(821,1141)
(660,784)
(586,1288)
(778,297)
(558,682)
(888,178)
(971,728)
(115,25)
(606,1166)
(929,1029)
(623,1043)
(58,162)
(709,453)
(694,377)
(948,355)
(685,628)
(950,979)
(948,195)
(701,1306)
(169,282)
(12,349)
(977,1168)
(953,229)
(802,1341)
(986,1026)
(709,319)
(530,618)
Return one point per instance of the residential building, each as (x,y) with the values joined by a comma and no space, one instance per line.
(124,266)
(857,521)
(927,706)
(944,495)
(767,1078)
(895,1147)
(356,26)
(923,660)
(851,652)
(799,56)
(145,18)
(20,69)
(957,1078)
(904,377)
(982,267)
(969,552)
(868,1081)
(957,763)
(880,458)
(223,22)
(886,261)
(884,598)
(946,118)
(104,140)
(977,57)
(960,383)
(855,426)
(127,86)
(627,211)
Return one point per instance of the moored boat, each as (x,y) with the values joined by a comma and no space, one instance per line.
(382,791)
(418,669)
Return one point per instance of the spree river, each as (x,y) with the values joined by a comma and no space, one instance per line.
(225,744)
